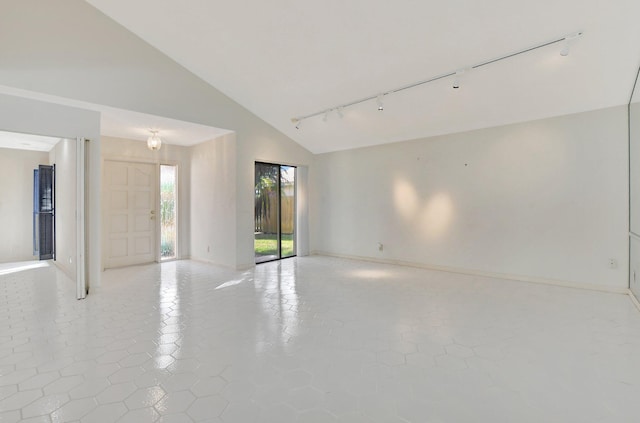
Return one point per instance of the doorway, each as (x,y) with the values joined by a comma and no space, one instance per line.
(44,186)
(275,210)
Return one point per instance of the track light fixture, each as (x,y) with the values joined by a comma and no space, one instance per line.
(565,40)
(566,43)
(456,79)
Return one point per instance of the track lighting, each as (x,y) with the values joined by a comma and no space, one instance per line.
(456,79)
(566,41)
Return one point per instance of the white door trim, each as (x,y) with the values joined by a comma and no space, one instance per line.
(81,206)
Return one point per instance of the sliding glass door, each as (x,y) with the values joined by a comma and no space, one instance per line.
(274,218)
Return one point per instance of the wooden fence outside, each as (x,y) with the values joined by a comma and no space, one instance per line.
(268,222)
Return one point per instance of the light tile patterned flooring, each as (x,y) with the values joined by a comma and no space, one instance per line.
(313,339)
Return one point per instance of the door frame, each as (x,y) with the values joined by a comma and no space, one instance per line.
(82,197)
(83,170)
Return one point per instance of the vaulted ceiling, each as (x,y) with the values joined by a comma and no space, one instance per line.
(283,59)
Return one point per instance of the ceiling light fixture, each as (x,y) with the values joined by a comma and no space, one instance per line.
(566,40)
(566,43)
(456,79)
(154,142)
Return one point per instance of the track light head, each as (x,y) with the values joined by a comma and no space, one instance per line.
(379,102)
(296,122)
(456,79)
(566,43)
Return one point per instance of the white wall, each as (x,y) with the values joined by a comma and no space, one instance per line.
(542,200)
(302,211)
(16,202)
(120,149)
(40,118)
(634,151)
(213,201)
(72,50)
(63,155)
(634,191)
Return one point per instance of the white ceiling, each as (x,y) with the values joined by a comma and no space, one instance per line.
(282,59)
(29,142)
(120,123)
(136,126)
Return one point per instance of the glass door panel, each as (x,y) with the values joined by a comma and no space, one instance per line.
(274,215)
(287,211)
(168,230)
(266,219)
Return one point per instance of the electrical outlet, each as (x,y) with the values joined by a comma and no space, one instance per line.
(613,263)
(380,246)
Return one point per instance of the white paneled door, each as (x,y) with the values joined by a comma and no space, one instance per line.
(130,213)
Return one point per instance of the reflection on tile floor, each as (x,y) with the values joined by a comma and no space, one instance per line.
(313,340)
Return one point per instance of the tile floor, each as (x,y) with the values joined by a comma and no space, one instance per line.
(313,340)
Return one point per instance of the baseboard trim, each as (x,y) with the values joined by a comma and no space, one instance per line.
(226,266)
(634,300)
(482,273)
(63,270)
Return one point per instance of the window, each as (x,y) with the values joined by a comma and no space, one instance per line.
(168,212)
